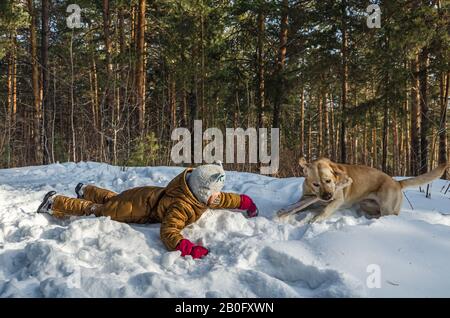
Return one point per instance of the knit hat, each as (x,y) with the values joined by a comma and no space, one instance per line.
(205,180)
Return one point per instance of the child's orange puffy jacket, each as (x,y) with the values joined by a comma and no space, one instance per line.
(174,206)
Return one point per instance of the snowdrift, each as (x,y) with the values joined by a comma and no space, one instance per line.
(261,257)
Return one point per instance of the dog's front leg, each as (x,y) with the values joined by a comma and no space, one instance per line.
(328,211)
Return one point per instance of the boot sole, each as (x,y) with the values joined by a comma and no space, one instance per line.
(77,189)
(44,201)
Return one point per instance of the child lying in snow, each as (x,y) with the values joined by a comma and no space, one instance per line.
(181,203)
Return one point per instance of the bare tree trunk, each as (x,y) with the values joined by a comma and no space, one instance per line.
(395,145)
(184,97)
(109,91)
(402,152)
(344,79)
(260,63)
(326,134)
(133,118)
(236,111)
(140,66)
(9,105)
(415,118)
(444,91)
(309,136)
(406,138)
(281,60)
(261,97)
(320,125)
(52,148)
(36,133)
(14,82)
(184,106)
(123,75)
(72,102)
(108,110)
(302,122)
(333,130)
(93,99)
(172,102)
(45,79)
(385,137)
(192,104)
(116,119)
(350,144)
(133,25)
(374,143)
(425,122)
(365,141)
(444,82)
(96,114)
(433,152)
(202,70)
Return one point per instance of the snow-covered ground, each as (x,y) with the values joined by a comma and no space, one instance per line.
(261,257)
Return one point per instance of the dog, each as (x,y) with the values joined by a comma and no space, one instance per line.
(376,192)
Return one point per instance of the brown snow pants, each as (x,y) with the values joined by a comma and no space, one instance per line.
(129,206)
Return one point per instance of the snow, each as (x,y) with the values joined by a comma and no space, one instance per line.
(261,257)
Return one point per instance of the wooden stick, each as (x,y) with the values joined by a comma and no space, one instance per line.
(309,200)
(297,207)
(447,189)
(442,190)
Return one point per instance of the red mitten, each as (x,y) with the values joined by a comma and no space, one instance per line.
(185,246)
(188,248)
(199,251)
(248,204)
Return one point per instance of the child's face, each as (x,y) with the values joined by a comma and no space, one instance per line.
(213,197)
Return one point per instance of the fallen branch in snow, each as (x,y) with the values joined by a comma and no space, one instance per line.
(410,204)
(392,283)
(443,187)
(428,193)
(306,202)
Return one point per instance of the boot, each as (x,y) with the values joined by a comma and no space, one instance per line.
(46,205)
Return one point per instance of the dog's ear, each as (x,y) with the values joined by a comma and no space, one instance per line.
(338,172)
(303,165)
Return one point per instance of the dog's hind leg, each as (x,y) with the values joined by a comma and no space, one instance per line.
(371,208)
(391,202)
(389,197)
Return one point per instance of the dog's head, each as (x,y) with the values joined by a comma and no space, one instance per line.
(322,177)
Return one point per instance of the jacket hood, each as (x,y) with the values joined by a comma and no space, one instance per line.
(178,188)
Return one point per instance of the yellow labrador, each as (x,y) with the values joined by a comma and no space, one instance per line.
(376,192)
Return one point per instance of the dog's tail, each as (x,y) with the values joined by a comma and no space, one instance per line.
(424,178)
